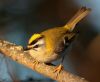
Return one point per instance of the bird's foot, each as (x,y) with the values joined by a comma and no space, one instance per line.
(58,69)
(35,63)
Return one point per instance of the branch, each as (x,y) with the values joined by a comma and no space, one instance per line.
(18,54)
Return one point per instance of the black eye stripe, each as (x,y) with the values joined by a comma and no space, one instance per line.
(33,42)
(36,46)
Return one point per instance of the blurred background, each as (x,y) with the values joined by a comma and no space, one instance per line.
(19,19)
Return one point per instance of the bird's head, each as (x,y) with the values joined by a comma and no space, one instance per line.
(36,42)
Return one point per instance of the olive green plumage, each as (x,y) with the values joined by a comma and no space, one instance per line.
(48,43)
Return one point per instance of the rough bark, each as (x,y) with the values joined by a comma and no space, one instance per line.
(17,53)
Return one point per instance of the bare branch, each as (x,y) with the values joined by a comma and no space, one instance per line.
(18,54)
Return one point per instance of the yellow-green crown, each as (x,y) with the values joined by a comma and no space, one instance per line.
(34,37)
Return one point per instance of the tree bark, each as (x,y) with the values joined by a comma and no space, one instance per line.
(18,54)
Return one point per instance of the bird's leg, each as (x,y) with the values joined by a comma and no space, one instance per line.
(59,68)
(35,63)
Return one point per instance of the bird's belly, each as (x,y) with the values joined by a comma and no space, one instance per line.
(43,56)
(48,59)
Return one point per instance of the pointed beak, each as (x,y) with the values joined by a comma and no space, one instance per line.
(28,47)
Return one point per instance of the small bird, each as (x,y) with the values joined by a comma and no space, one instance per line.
(46,46)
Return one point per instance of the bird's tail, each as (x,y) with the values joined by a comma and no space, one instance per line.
(77,17)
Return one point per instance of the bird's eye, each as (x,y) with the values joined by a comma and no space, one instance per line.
(36,46)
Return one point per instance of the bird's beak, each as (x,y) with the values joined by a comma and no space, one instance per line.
(28,47)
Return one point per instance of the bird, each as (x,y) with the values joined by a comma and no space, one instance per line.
(47,45)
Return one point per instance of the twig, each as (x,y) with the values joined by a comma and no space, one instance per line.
(18,54)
